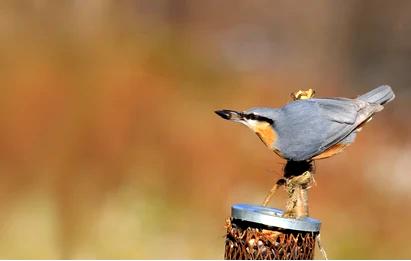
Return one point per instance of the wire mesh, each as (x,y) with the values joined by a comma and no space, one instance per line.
(248,240)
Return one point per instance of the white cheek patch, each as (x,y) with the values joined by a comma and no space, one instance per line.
(250,123)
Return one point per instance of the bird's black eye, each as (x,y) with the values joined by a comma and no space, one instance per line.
(252,116)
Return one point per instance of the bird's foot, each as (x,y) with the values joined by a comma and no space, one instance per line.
(304,180)
(279,183)
(297,190)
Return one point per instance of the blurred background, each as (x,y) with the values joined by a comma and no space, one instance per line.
(109,146)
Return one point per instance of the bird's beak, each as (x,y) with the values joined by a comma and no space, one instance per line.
(230,115)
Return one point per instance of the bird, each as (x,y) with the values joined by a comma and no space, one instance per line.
(312,129)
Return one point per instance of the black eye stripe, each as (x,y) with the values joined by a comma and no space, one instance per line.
(252,116)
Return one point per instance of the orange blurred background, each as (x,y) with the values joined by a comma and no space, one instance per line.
(109,146)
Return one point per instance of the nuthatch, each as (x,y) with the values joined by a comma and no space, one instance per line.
(312,129)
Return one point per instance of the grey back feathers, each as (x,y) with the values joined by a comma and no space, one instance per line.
(306,128)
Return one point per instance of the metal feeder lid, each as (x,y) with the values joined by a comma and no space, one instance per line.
(272,217)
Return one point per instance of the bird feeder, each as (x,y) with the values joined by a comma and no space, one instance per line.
(256,232)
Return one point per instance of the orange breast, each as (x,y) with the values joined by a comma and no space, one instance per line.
(268,136)
(266,133)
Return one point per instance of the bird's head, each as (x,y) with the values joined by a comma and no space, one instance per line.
(260,120)
(251,118)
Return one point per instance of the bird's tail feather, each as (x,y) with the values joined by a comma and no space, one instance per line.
(379,95)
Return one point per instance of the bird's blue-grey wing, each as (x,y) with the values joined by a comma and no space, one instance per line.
(309,127)
(350,113)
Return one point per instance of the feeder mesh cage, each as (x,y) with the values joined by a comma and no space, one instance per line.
(251,240)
